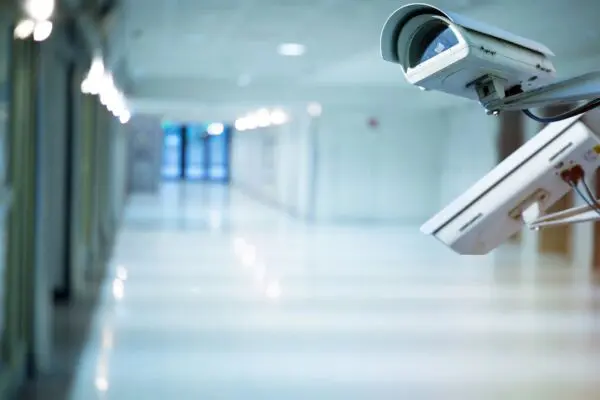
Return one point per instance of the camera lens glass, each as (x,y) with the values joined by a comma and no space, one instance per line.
(431,39)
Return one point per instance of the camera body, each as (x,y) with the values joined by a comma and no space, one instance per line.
(498,205)
(447,52)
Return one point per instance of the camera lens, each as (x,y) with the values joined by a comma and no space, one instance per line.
(431,39)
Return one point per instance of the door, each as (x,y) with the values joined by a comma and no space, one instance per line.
(217,160)
(196,153)
(172,152)
(191,153)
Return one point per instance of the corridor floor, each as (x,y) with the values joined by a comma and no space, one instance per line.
(213,296)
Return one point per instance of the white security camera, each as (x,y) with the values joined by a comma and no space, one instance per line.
(520,189)
(451,53)
(440,50)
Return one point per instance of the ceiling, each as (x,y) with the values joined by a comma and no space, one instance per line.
(215,59)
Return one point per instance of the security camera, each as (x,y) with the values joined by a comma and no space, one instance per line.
(451,53)
(520,189)
(447,52)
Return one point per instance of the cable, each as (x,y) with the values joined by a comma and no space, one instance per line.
(590,105)
(591,203)
(591,195)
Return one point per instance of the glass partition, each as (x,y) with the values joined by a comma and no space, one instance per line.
(195,152)
(191,153)
(218,156)
(172,147)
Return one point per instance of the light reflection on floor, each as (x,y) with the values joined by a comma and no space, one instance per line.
(213,296)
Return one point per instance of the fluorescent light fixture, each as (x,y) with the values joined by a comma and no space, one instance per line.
(42,31)
(86,86)
(24,29)
(251,121)
(39,10)
(314,109)
(125,117)
(240,124)
(94,81)
(263,118)
(97,68)
(101,384)
(278,117)
(291,49)
(215,129)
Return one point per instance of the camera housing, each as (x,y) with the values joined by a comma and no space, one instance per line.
(451,53)
(531,178)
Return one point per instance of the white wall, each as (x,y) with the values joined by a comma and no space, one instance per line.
(145,136)
(389,174)
(469,149)
(272,164)
(336,168)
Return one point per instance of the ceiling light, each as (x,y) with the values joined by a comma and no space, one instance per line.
(314,109)
(102,384)
(240,124)
(94,80)
(24,29)
(215,129)
(251,121)
(291,49)
(39,10)
(97,68)
(42,31)
(263,118)
(278,117)
(125,117)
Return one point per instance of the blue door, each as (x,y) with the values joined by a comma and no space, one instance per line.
(218,156)
(194,152)
(195,168)
(172,152)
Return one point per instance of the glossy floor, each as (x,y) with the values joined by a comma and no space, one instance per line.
(213,296)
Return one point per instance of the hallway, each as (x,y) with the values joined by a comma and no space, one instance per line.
(213,296)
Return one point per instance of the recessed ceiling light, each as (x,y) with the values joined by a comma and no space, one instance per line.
(215,129)
(314,109)
(291,49)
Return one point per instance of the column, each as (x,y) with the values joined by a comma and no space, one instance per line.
(556,241)
(511,136)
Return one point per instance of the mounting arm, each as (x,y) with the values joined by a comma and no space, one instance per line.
(582,87)
(573,215)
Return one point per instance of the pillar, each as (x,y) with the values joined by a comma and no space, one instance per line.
(556,241)
(511,136)
(592,121)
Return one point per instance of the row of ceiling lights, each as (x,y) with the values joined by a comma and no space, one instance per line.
(97,82)
(37,20)
(100,82)
(261,119)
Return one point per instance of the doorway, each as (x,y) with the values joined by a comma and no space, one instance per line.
(196,152)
